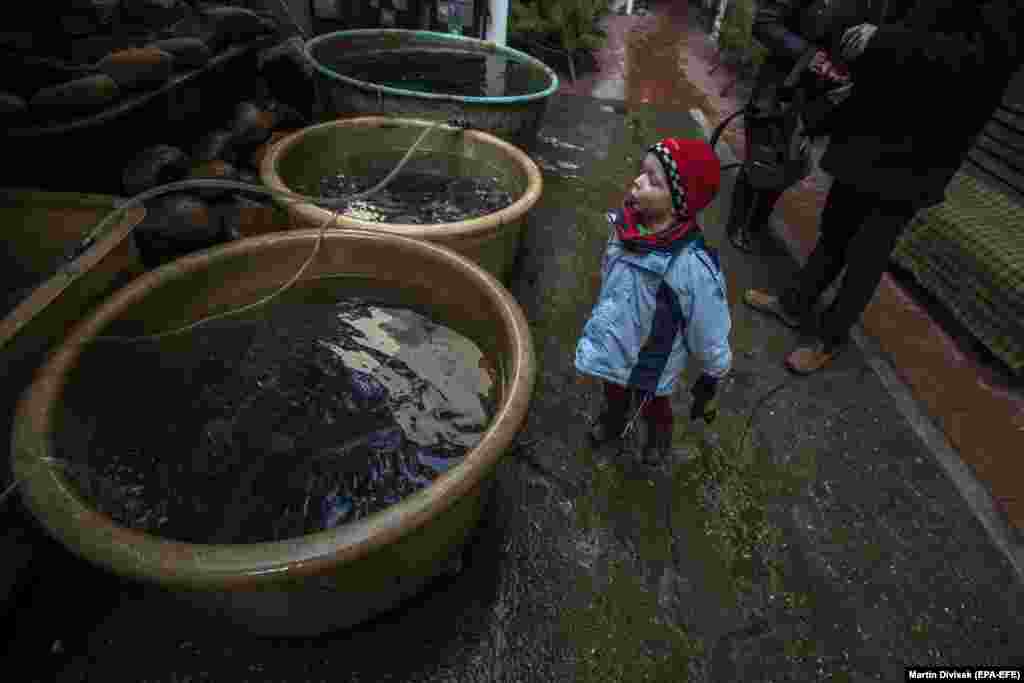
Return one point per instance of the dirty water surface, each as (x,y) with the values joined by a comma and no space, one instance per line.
(418,197)
(258,430)
(448,72)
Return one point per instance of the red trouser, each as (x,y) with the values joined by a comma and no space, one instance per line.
(657,411)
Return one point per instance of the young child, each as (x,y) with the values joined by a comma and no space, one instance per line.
(662,298)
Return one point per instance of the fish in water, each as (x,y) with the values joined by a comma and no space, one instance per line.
(386,440)
(368,391)
(336,508)
(436,462)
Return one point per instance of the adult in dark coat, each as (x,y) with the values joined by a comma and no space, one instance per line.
(922,89)
(794,32)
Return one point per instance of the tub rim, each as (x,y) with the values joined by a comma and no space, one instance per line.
(484,45)
(432,231)
(51,498)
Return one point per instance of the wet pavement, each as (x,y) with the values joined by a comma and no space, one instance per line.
(809,535)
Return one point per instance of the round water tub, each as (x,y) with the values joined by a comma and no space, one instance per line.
(516,118)
(298,162)
(327,580)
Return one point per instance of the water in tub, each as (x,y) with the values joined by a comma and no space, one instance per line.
(461,73)
(312,416)
(429,190)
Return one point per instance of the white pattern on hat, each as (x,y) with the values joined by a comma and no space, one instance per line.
(677,188)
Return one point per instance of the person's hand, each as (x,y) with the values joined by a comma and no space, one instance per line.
(823,67)
(704,392)
(840,94)
(855,39)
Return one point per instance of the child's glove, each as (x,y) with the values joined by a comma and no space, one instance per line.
(823,67)
(704,392)
(855,39)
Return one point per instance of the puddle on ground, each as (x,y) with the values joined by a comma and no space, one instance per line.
(555,142)
(257,430)
(449,72)
(423,193)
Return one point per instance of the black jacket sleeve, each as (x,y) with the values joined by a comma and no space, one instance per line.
(771,28)
(988,37)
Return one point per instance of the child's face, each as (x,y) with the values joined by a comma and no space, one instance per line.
(649,192)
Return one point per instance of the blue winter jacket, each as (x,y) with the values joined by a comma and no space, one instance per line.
(654,310)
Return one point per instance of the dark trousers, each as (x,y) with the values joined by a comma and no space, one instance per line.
(858,231)
(751,208)
(622,401)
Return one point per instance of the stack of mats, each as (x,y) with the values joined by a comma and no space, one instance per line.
(969,253)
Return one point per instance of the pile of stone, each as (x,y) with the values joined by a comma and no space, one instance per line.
(58,68)
(181,222)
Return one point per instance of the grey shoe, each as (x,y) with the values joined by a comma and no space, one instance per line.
(742,239)
(652,456)
(660,450)
(770,304)
(606,430)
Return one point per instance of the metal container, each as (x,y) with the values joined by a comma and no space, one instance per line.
(296,163)
(514,118)
(327,580)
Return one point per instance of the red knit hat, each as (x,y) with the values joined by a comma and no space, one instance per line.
(693,174)
(693,171)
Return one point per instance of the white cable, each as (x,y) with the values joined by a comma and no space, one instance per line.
(332,218)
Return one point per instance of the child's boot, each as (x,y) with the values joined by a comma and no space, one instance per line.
(608,428)
(659,448)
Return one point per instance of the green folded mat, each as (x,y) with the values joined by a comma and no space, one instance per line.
(969,253)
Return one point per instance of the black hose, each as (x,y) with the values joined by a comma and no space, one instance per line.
(720,128)
(717,133)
